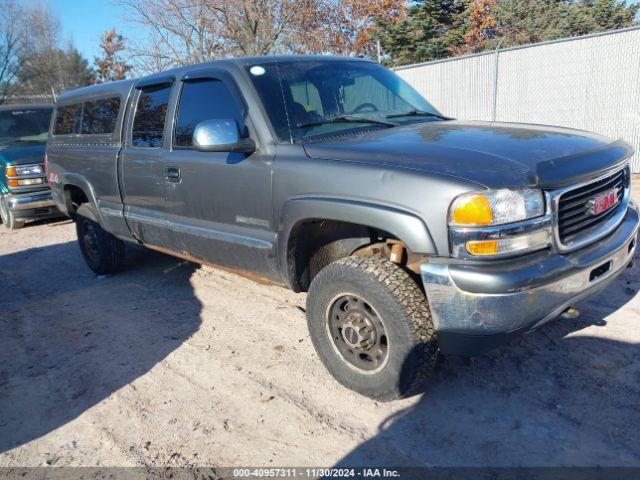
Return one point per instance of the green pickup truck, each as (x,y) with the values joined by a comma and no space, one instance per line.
(24,191)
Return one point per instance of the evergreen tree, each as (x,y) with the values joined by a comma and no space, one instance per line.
(529,21)
(432,30)
(77,72)
(436,29)
(53,71)
(44,67)
(589,16)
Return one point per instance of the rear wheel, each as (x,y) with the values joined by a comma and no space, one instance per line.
(103,252)
(7,216)
(370,324)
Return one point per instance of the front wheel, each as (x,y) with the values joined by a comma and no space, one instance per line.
(103,252)
(371,326)
(8,218)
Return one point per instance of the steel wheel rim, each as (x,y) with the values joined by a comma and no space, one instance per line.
(357,333)
(90,241)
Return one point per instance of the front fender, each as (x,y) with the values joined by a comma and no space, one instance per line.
(401,224)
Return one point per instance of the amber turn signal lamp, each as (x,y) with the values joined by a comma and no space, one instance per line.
(483,247)
(11,172)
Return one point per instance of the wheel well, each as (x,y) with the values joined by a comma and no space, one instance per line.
(313,244)
(74,197)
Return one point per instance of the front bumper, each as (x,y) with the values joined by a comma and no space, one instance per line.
(29,206)
(477,306)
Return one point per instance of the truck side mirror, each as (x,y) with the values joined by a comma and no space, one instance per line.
(221,135)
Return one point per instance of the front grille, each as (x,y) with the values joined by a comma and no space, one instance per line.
(574,215)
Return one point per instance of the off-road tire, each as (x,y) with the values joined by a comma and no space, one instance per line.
(108,255)
(403,308)
(7,217)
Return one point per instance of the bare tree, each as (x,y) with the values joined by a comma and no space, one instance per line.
(180,32)
(192,31)
(39,62)
(349,27)
(183,32)
(260,27)
(10,43)
(46,68)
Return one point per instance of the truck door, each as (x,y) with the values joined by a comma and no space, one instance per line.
(144,171)
(220,205)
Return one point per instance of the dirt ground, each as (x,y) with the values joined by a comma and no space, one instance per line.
(169,365)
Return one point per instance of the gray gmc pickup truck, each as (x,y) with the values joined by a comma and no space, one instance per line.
(413,233)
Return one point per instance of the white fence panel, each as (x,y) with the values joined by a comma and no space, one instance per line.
(590,83)
(462,86)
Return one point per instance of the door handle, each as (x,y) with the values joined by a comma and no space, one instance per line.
(172,174)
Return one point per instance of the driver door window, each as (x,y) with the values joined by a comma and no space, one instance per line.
(201,100)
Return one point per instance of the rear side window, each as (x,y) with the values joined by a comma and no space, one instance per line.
(68,120)
(204,100)
(151,112)
(99,117)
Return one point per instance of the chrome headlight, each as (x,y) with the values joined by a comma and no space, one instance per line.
(25,170)
(488,223)
(496,207)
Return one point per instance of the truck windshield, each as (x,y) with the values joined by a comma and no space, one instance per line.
(307,99)
(24,125)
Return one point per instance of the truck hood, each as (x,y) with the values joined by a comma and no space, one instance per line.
(495,155)
(22,153)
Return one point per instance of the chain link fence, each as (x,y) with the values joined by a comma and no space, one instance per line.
(590,83)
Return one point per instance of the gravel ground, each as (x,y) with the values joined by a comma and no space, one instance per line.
(169,365)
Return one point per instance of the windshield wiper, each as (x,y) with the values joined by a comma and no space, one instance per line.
(418,113)
(345,119)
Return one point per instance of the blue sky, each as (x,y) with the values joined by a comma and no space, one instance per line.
(84,21)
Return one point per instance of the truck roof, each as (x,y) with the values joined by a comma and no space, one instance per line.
(122,87)
(118,88)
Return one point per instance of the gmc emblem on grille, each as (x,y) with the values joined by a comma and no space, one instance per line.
(603,202)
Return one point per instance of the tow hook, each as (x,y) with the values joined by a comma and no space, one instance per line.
(571,312)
